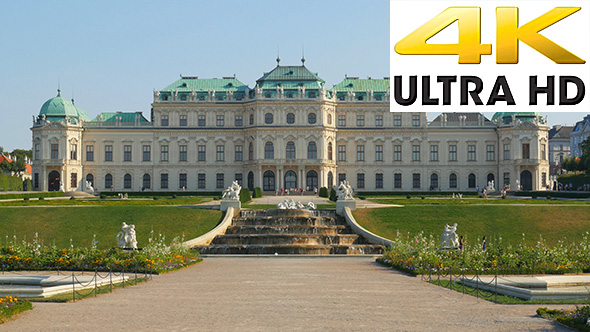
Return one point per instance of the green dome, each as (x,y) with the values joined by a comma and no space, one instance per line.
(501,116)
(57,108)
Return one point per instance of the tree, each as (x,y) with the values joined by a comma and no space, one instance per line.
(585,158)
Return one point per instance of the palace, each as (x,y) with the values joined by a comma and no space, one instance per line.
(289,131)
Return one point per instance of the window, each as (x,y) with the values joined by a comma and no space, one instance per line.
(220,121)
(238,121)
(415,152)
(397,120)
(108,153)
(38,152)
(164,181)
(416,180)
(341,177)
(126,152)
(434,153)
(507,179)
(182,152)
(74,180)
(433,181)
(341,152)
(251,119)
(452,152)
(164,121)
(202,153)
(164,153)
(471,152)
(250,151)
(74,152)
(329,119)
(220,155)
(108,181)
(201,181)
(268,118)
(311,118)
(269,150)
(526,151)
(360,180)
(183,120)
(360,120)
(453,180)
(397,153)
(290,118)
(239,178)
(312,150)
(415,120)
(55,151)
(290,150)
(544,179)
(36,180)
(360,153)
(471,180)
(147,152)
(182,181)
(201,120)
(239,154)
(341,120)
(89,153)
(397,180)
(147,181)
(127,181)
(506,151)
(379,180)
(378,120)
(378,152)
(490,152)
(220,181)
(268,181)
(330,150)
(543,152)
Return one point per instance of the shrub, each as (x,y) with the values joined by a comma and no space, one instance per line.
(503,197)
(257,192)
(362,198)
(155,198)
(548,197)
(408,196)
(422,197)
(174,196)
(534,195)
(323,192)
(25,199)
(72,198)
(245,195)
(333,195)
(28,185)
(41,198)
(103,196)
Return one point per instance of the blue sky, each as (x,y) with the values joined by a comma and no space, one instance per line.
(110,55)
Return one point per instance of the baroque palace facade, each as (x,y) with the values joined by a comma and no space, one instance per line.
(289,131)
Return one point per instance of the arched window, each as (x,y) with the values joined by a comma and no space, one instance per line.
(312,151)
(491,177)
(433,181)
(312,180)
(251,181)
(251,119)
(471,180)
(330,180)
(311,118)
(453,180)
(290,118)
(147,181)
(290,150)
(267,95)
(290,180)
(90,179)
(108,181)
(329,119)
(330,151)
(268,182)
(290,95)
(269,151)
(251,151)
(268,118)
(127,181)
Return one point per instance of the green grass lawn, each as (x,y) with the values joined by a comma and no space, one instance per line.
(109,201)
(59,224)
(416,200)
(508,221)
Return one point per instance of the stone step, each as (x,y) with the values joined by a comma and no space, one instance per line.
(292,249)
(287,213)
(281,221)
(285,239)
(289,229)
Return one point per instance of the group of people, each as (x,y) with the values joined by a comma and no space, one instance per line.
(484,243)
(293,191)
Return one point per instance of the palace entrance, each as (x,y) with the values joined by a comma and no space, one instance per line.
(526,180)
(54,181)
(290,180)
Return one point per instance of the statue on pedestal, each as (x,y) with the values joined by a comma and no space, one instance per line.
(127,238)
(449,239)
(345,191)
(232,192)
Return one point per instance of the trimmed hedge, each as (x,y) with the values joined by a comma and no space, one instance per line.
(323,192)
(257,193)
(33,195)
(409,193)
(333,195)
(10,183)
(562,194)
(245,195)
(576,179)
(159,193)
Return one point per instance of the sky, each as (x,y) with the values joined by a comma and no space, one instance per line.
(110,55)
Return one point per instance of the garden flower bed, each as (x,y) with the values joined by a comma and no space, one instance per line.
(578,318)
(10,306)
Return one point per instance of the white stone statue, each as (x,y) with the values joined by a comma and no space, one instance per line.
(449,239)
(517,184)
(300,205)
(61,186)
(491,187)
(89,187)
(232,192)
(290,204)
(126,238)
(310,206)
(345,191)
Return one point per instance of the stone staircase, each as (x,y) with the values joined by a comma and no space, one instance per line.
(304,232)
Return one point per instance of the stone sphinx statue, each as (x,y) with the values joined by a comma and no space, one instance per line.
(232,192)
(126,238)
(345,191)
(89,187)
(449,239)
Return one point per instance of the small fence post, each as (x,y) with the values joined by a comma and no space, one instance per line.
(111,278)
(95,277)
(496,288)
(123,276)
(73,287)
(476,284)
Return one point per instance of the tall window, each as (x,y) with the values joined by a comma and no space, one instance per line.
(126,152)
(127,181)
(379,180)
(360,120)
(290,118)
(251,119)
(238,121)
(290,150)
(416,180)
(434,153)
(38,151)
(268,118)
(543,151)
(397,180)
(341,177)
(36,180)
(108,153)
(74,151)
(201,181)
(471,180)
(182,181)
(164,180)
(201,120)
(330,150)
(415,152)
(490,152)
(164,121)
(360,153)
(506,151)
(453,180)
(147,152)
(378,120)
(312,118)
(378,152)
(250,151)
(220,182)
(433,181)
(108,181)
(269,150)
(341,120)
(397,120)
(220,120)
(526,151)
(220,153)
(90,178)
(329,119)
(471,152)
(239,152)
(341,152)
(182,149)
(239,177)
(415,120)
(507,179)
(452,152)
(397,153)
(202,153)
(544,179)
(312,151)
(164,153)
(183,120)
(147,181)
(360,180)
(54,151)
(268,181)
(74,180)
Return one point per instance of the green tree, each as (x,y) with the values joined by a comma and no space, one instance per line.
(5,166)
(585,158)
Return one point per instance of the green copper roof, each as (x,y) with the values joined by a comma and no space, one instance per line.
(119,117)
(362,85)
(57,108)
(188,84)
(518,115)
(82,114)
(290,77)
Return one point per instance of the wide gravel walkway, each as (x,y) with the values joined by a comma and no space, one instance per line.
(282,294)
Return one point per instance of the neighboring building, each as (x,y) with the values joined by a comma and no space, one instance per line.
(579,134)
(559,147)
(26,174)
(289,131)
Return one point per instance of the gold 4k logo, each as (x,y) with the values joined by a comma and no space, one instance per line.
(469,47)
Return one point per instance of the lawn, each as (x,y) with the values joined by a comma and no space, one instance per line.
(80,223)
(109,201)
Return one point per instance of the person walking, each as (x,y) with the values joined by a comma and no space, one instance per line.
(484,243)
(461,243)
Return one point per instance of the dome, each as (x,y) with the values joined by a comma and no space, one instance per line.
(57,108)
(502,116)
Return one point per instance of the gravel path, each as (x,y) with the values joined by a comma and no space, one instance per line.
(282,294)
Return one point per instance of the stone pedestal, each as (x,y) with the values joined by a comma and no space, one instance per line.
(341,204)
(225,203)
